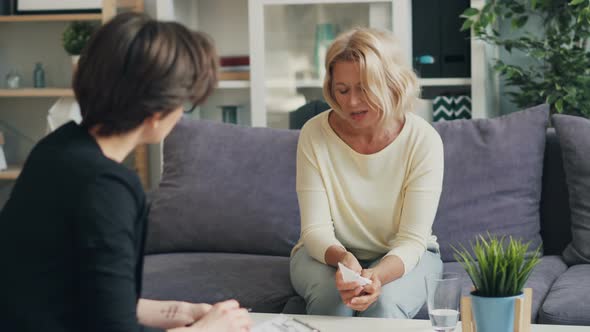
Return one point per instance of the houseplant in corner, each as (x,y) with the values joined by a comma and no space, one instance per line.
(498,269)
(75,37)
(556,42)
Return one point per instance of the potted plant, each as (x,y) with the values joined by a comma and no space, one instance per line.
(556,44)
(75,37)
(498,269)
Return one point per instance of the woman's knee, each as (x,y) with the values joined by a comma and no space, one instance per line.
(389,308)
(325,300)
(308,274)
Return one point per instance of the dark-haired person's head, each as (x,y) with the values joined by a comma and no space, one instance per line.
(136,69)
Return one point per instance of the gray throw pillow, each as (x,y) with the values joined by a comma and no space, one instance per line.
(574,137)
(492,178)
(226,188)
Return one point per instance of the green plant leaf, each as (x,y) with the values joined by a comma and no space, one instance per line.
(498,267)
(467,25)
(519,22)
(559,105)
(558,48)
(470,12)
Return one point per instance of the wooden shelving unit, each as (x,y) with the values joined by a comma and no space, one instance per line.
(31,92)
(109,10)
(51,18)
(11,173)
(445,81)
(233,84)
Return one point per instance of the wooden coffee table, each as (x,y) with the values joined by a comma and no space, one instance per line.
(360,324)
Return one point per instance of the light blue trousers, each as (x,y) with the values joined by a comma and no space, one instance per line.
(402,298)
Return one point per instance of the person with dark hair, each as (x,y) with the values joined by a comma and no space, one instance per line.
(73,229)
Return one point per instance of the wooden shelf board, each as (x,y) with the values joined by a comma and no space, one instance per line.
(32,92)
(233,84)
(445,81)
(285,83)
(11,173)
(51,17)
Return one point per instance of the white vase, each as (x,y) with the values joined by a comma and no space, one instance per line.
(75,59)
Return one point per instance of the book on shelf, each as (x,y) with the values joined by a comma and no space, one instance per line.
(234,68)
(234,60)
(234,75)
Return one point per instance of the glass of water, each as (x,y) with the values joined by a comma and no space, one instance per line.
(444,294)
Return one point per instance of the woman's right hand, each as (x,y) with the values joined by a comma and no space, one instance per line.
(348,290)
(225,316)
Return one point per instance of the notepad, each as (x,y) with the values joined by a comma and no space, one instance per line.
(283,323)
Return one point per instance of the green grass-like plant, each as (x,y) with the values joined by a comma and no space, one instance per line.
(76,36)
(498,269)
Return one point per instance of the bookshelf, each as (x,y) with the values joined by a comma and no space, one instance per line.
(233,84)
(32,92)
(51,18)
(274,22)
(39,23)
(11,173)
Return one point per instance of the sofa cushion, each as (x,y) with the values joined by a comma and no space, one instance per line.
(258,282)
(574,136)
(215,196)
(492,178)
(543,276)
(568,302)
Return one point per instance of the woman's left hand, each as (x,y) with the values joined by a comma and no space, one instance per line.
(370,292)
(184,313)
(170,314)
(198,310)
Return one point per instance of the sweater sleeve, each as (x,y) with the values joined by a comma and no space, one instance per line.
(107,256)
(422,191)
(317,227)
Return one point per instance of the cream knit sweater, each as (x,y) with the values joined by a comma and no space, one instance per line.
(373,205)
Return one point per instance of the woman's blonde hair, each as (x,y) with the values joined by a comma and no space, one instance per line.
(390,85)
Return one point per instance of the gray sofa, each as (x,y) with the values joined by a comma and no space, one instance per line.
(225,215)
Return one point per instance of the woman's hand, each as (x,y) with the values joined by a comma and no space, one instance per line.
(197,310)
(170,314)
(224,317)
(351,262)
(370,293)
(348,290)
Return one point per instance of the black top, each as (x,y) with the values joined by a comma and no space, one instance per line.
(71,240)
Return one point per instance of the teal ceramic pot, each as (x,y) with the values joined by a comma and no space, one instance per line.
(494,314)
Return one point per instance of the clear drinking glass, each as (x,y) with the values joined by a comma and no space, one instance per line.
(444,294)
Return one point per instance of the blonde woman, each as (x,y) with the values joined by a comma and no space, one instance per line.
(369,178)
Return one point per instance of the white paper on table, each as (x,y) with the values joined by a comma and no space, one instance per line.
(349,275)
(64,110)
(283,323)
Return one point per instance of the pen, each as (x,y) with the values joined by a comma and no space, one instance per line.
(311,328)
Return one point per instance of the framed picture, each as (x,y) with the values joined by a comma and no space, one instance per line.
(56,7)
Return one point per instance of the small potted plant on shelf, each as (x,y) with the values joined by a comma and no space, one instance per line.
(498,269)
(75,37)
